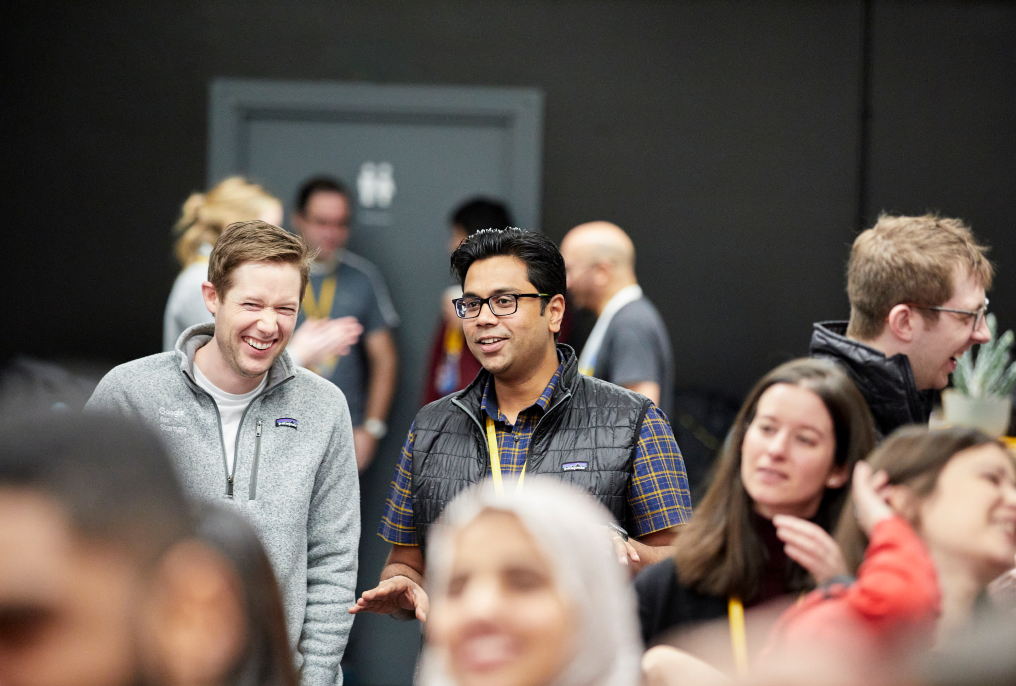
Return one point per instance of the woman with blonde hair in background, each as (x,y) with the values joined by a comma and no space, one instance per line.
(527,591)
(201,222)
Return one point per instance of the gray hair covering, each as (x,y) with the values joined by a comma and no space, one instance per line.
(568,526)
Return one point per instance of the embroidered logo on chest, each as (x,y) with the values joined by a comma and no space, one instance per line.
(286,421)
(575,467)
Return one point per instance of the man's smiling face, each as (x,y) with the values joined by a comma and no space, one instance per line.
(255,319)
(939,344)
(515,345)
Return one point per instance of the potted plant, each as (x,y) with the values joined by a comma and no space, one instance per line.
(982,391)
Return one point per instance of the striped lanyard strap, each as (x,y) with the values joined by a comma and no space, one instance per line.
(495,462)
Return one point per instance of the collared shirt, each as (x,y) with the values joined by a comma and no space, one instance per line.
(658,491)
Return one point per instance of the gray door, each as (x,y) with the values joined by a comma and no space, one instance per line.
(410,154)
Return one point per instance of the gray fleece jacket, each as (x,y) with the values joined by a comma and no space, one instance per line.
(294,478)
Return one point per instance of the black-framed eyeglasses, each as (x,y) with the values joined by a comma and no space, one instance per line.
(977,314)
(501,305)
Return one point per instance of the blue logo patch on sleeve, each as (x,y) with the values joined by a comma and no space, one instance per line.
(575,466)
(286,421)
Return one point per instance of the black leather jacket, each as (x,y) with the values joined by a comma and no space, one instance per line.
(887,383)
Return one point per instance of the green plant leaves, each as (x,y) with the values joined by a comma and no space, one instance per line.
(989,374)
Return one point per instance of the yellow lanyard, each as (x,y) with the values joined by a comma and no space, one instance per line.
(738,636)
(320,309)
(453,340)
(495,461)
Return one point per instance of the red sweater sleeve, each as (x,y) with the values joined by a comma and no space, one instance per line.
(897,583)
(896,592)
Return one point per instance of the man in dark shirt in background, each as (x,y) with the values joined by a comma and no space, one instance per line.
(629,345)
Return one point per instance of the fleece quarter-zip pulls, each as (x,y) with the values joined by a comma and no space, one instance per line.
(293,476)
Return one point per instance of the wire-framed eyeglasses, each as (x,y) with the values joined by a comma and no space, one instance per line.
(977,314)
(501,305)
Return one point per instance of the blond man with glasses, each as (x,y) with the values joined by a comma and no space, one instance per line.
(917,303)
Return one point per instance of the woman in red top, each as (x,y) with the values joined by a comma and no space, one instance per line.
(935,523)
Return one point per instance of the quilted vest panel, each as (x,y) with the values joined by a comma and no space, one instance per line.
(587,421)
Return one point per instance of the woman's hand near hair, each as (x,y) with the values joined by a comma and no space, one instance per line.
(871,493)
(810,546)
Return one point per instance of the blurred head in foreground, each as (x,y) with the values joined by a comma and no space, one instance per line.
(101,581)
(266,658)
(526,591)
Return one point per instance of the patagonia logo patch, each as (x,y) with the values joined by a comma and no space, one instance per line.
(286,421)
(575,467)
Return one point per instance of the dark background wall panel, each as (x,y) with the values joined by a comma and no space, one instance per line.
(943,130)
(722,135)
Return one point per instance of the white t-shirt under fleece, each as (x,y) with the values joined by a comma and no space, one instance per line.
(231,408)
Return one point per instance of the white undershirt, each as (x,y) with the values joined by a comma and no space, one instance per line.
(231,408)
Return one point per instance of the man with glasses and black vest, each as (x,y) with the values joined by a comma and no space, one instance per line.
(529,411)
(916,287)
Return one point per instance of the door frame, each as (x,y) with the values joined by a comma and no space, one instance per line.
(236,103)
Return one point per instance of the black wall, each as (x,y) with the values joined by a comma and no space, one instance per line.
(728,138)
(740,143)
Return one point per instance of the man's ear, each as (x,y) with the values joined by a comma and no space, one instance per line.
(210,297)
(197,619)
(555,309)
(902,321)
(603,273)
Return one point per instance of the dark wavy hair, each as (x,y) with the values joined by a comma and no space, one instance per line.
(544,264)
(718,551)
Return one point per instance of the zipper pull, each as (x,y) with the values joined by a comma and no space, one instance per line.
(258,432)
(229,486)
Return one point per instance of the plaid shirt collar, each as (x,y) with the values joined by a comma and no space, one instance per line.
(488,403)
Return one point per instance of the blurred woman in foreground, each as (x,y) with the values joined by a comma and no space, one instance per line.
(527,591)
(932,522)
(760,532)
(266,659)
(934,525)
(202,221)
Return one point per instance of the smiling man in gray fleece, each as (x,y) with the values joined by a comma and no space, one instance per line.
(247,427)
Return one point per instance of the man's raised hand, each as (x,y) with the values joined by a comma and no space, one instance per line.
(319,339)
(398,596)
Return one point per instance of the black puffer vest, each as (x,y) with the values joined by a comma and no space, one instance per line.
(887,383)
(590,425)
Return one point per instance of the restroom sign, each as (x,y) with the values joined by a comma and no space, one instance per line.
(376,185)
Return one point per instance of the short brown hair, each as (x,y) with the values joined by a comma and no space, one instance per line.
(718,551)
(908,260)
(256,241)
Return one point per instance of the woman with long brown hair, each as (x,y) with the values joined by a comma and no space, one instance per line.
(779,485)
